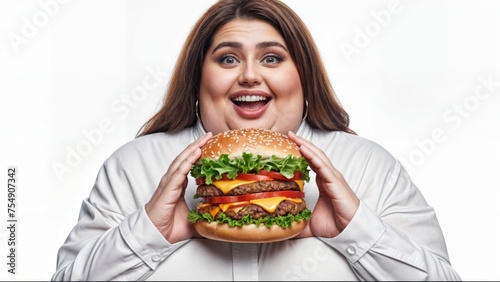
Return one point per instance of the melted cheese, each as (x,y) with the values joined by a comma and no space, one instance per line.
(268,204)
(271,204)
(227,185)
(214,211)
(301,184)
(225,207)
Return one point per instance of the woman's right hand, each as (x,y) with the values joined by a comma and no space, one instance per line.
(167,208)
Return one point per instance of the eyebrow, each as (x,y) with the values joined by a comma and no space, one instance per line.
(260,45)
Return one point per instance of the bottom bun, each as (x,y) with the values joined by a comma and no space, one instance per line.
(248,233)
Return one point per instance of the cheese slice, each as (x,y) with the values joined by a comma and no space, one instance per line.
(227,185)
(225,207)
(214,211)
(271,204)
(204,205)
(301,184)
(268,204)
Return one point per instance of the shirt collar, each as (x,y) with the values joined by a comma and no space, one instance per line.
(305,131)
(198,130)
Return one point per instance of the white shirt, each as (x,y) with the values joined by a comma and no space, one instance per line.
(394,235)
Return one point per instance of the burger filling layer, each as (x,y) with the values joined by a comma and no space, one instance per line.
(284,197)
(254,210)
(252,187)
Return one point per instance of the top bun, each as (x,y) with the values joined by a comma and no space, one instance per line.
(249,140)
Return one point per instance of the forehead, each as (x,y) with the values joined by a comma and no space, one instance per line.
(241,30)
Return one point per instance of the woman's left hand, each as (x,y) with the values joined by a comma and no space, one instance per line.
(337,203)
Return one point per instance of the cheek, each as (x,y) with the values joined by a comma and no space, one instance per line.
(288,84)
(207,85)
(214,82)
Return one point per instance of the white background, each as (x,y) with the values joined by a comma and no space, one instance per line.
(71,75)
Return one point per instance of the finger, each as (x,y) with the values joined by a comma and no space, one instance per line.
(185,166)
(179,173)
(173,185)
(198,143)
(318,153)
(318,165)
(183,156)
(179,168)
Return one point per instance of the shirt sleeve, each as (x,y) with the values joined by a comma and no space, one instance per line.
(113,239)
(395,237)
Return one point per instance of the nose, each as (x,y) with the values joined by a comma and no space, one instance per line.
(250,74)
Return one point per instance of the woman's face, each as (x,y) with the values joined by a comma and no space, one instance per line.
(249,80)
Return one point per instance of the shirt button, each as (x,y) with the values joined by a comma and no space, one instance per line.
(156,257)
(351,250)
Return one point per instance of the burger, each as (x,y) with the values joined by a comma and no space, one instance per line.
(251,187)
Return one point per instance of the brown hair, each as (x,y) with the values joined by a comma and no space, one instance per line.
(179,107)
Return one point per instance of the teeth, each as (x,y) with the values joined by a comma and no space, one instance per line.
(250,98)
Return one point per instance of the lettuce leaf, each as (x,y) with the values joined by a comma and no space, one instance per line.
(282,221)
(249,164)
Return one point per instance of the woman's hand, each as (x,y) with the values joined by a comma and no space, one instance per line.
(167,208)
(337,203)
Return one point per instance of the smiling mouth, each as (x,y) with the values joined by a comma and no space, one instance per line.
(250,102)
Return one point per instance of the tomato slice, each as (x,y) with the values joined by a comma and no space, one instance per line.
(252,196)
(276,175)
(241,176)
(201,180)
(253,177)
(262,176)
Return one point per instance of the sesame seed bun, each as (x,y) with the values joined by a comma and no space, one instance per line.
(249,140)
(255,193)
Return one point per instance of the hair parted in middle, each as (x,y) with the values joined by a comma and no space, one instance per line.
(179,107)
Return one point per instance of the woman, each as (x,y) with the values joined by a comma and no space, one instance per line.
(253,64)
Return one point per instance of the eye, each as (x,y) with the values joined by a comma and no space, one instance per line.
(272,59)
(228,60)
